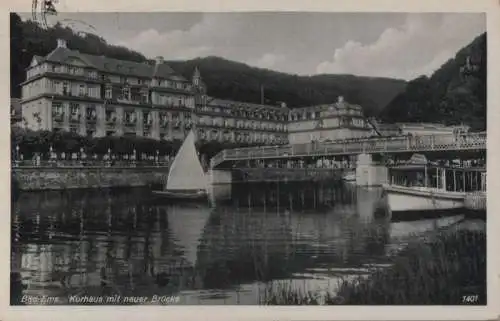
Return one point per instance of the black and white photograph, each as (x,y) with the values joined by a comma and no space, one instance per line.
(248,158)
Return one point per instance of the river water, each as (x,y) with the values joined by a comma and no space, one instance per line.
(248,240)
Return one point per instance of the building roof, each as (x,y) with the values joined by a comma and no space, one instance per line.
(114,66)
(336,105)
(234,104)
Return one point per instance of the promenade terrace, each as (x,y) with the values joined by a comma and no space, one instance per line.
(447,143)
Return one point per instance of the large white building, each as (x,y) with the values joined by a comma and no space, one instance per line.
(335,121)
(99,96)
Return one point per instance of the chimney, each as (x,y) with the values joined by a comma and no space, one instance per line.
(159,60)
(340,99)
(61,43)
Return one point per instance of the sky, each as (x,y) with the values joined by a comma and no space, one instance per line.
(395,45)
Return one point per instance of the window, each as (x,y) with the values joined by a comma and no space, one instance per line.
(90,112)
(75,111)
(147,119)
(164,119)
(125,93)
(91,92)
(81,90)
(66,88)
(57,108)
(108,92)
(93,74)
(144,96)
(110,115)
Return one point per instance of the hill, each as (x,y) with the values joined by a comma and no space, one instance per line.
(225,79)
(237,81)
(454,94)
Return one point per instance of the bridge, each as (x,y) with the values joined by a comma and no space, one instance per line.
(467,142)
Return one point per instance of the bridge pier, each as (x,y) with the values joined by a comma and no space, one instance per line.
(369,173)
(220,176)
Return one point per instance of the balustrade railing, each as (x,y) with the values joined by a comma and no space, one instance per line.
(358,146)
(88,163)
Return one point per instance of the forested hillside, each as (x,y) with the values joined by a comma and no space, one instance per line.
(233,80)
(224,78)
(454,94)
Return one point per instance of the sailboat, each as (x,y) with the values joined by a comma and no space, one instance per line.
(186,178)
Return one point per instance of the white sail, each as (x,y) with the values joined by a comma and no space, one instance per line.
(186,172)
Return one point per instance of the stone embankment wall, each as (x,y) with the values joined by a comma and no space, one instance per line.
(46,178)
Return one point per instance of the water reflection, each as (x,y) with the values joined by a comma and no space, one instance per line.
(127,242)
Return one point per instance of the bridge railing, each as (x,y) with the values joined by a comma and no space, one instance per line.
(362,145)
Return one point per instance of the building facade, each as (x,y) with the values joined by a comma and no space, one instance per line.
(327,122)
(98,96)
(242,123)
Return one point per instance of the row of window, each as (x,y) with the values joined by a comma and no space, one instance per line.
(95,75)
(237,112)
(202,134)
(231,123)
(310,115)
(240,137)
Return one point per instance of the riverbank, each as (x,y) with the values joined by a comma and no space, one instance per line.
(62,178)
(442,271)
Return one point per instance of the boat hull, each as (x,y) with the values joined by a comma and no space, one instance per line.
(408,199)
(182,195)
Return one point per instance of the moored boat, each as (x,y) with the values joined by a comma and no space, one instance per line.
(420,186)
(186,179)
